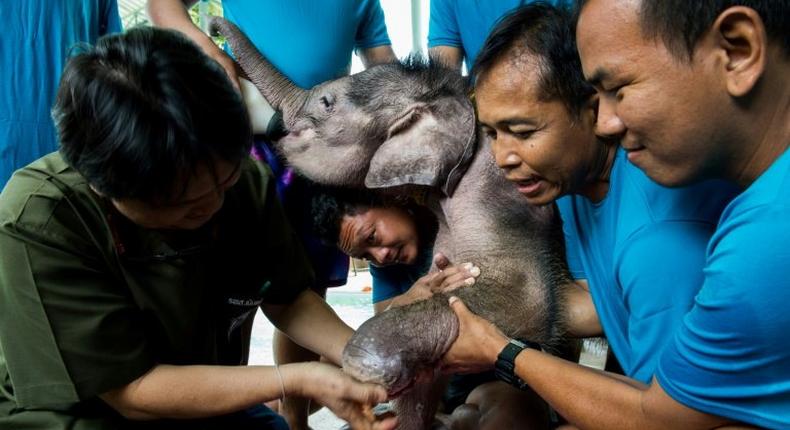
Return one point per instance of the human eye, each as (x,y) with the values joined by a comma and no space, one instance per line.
(371,239)
(488,132)
(522,134)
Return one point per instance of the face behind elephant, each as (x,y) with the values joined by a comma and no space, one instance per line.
(400,126)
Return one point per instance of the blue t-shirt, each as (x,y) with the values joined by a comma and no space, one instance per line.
(642,250)
(307,40)
(465,24)
(37,38)
(730,357)
(391,281)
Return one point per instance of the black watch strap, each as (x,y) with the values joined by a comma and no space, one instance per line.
(505,367)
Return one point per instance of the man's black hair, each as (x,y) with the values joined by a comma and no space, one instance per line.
(546,32)
(140,111)
(680,24)
(330,205)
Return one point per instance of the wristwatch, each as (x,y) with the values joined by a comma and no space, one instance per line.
(505,367)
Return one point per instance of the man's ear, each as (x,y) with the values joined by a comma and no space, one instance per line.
(428,144)
(739,33)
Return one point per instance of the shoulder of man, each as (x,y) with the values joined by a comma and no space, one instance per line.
(36,190)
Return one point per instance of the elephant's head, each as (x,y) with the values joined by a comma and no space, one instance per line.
(396,124)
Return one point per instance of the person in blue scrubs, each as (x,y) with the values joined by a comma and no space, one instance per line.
(692,91)
(458,28)
(37,38)
(310,41)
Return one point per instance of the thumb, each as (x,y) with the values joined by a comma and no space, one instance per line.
(365,393)
(458,306)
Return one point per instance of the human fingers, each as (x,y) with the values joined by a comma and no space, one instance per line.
(456,277)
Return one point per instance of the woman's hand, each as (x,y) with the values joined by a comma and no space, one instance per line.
(346,397)
(477,346)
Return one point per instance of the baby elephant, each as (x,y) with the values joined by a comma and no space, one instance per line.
(409,128)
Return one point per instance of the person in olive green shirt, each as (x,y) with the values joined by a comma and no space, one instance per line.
(133,260)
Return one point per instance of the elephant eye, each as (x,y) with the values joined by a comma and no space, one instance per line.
(328,101)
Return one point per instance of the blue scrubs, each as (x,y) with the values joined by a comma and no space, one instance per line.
(466,24)
(37,39)
(730,356)
(392,281)
(307,40)
(642,250)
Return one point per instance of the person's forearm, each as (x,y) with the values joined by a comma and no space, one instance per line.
(451,56)
(587,398)
(581,318)
(174,14)
(185,392)
(377,55)
(593,399)
(310,322)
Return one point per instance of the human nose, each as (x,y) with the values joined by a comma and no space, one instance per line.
(608,124)
(505,155)
(381,255)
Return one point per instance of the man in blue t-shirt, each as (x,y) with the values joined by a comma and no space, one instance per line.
(727,68)
(691,90)
(310,42)
(38,36)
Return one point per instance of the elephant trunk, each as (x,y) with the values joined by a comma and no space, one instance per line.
(277,89)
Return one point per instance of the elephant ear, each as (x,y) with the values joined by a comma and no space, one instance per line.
(429,144)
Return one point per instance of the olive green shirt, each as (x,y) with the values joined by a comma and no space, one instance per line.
(90,301)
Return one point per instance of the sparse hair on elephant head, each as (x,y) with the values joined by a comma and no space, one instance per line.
(393,125)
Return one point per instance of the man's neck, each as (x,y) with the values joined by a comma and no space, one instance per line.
(771,135)
(596,183)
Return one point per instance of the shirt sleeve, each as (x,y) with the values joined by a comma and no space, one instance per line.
(660,271)
(442,26)
(68,328)
(372,30)
(111,19)
(730,357)
(389,282)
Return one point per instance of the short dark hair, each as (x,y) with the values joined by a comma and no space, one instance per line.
(142,109)
(329,206)
(681,23)
(547,32)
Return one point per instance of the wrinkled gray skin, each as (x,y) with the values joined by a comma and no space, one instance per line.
(402,128)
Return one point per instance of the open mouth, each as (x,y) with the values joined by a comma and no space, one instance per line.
(530,186)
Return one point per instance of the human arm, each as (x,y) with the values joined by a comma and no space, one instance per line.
(174,14)
(188,392)
(449,277)
(452,56)
(310,322)
(444,37)
(377,55)
(586,397)
(372,43)
(581,318)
